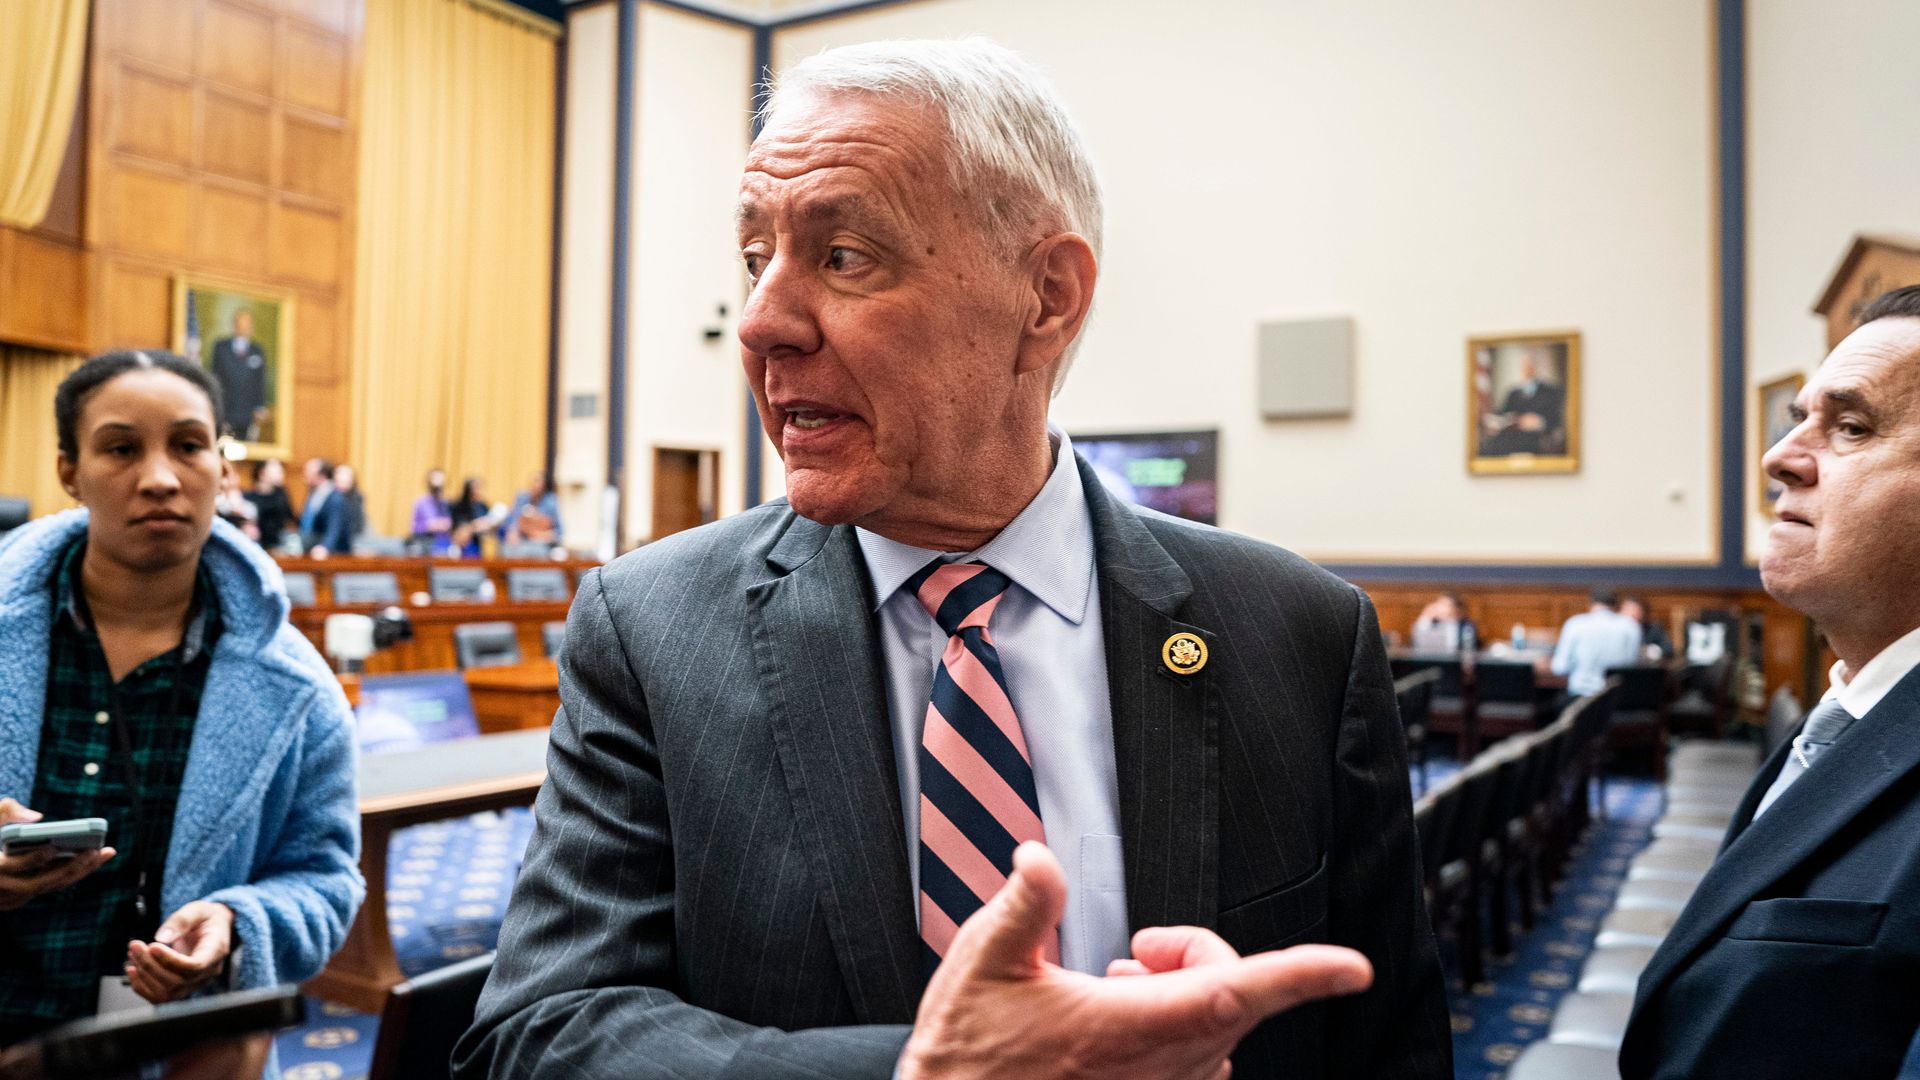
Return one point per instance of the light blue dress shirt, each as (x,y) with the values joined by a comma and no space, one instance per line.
(1590,643)
(1047,630)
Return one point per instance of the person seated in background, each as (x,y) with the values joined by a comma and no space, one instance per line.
(432,517)
(1655,644)
(317,473)
(1443,626)
(342,518)
(232,506)
(1799,952)
(472,518)
(535,517)
(272,508)
(1593,641)
(152,679)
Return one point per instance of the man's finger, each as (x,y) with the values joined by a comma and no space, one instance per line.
(1273,982)
(1170,948)
(1011,929)
(1123,968)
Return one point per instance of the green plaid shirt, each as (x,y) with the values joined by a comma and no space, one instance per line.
(55,948)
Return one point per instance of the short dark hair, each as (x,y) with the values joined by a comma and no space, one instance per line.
(1605,597)
(79,385)
(1903,303)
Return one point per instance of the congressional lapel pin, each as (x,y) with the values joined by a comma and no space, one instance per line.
(1184,654)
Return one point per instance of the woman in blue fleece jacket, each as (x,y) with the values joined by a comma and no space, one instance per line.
(148,675)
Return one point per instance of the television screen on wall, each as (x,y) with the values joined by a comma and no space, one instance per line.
(1174,472)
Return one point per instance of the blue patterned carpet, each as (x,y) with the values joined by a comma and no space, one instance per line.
(448,885)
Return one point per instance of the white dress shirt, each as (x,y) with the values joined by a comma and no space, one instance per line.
(1590,643)
(1047,630)
(1876,677)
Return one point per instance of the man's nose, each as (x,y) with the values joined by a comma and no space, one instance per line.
(1791,461)
(780,317)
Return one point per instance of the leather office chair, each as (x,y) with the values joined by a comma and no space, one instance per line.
(456,583)
(553,636)
(537,583)
(1506,699)
(424,1017)
(14,512)
(486,644)
(368,546)
(1414,696)
(366,587)
(1640,713)
(525,549)
(300,589)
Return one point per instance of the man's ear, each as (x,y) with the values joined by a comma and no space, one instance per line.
(1061,273)
(66,467)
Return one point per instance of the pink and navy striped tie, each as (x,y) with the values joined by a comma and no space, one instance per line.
(977,797)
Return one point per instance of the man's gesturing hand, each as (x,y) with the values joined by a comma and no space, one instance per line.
(995,1007)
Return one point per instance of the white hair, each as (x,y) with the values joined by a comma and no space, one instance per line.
(1015,152)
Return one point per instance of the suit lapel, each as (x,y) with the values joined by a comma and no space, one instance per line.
(815,647)
(1875,753)
(1165,732)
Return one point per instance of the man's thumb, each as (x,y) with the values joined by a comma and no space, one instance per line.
(1026,910)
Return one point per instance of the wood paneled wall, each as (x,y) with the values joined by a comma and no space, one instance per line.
(1785,637)
(223,142)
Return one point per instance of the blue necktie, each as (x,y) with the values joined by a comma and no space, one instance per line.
(1825,724)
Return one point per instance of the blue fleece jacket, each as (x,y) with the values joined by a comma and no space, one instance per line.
(268,822)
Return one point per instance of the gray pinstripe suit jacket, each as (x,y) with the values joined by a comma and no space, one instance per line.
(717,883)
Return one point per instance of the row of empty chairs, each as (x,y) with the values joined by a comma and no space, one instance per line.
(445,584)
(1495,837)
(1706,783)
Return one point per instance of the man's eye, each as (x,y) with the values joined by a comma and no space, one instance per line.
(755,262)
(843,259)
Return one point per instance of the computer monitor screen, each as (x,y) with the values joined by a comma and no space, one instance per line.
(408,711)
(1175,472)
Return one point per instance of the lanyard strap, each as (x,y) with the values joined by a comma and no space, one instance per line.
(146,899)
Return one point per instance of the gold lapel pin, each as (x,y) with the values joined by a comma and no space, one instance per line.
(1184,654)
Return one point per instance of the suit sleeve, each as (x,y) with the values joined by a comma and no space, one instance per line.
(585,983)
(1400,1027)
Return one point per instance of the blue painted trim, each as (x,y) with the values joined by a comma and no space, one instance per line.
(626,72)
(554,250)
(1731,75)
(1585,576)
(762,84)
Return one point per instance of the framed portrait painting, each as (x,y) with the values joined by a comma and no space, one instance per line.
(1776,420)
(243,336)
(1523,403)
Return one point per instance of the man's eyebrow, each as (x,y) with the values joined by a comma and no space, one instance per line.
(856,210)
(1842,398)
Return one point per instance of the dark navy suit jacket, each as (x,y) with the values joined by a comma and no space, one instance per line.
(1799,956)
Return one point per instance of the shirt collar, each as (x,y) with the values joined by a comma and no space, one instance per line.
(1047,549)
(71,601)
(1876,677)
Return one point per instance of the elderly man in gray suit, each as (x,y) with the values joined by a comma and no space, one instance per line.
(952,765)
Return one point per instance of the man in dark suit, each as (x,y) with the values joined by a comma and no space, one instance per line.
(1799,954)
(805,752)
(1532,419)
(240,364)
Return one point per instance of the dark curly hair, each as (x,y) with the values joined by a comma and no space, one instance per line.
(77,387)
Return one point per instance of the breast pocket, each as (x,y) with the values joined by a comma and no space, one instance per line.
(1292,913)
(1810,921)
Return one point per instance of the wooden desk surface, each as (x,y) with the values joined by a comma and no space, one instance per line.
(531,676)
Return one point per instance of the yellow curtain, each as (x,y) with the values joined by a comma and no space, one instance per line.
(28,440)
(42,57)
(454,250)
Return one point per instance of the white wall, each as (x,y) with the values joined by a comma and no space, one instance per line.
(586,260)
(691,127)
(1433,170)
(1833,149)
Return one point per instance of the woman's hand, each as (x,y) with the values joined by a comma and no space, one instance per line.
(188,951)
(23,877)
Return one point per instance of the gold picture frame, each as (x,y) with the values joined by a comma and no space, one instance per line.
(243,336)
(1523,403)
(1772,423)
